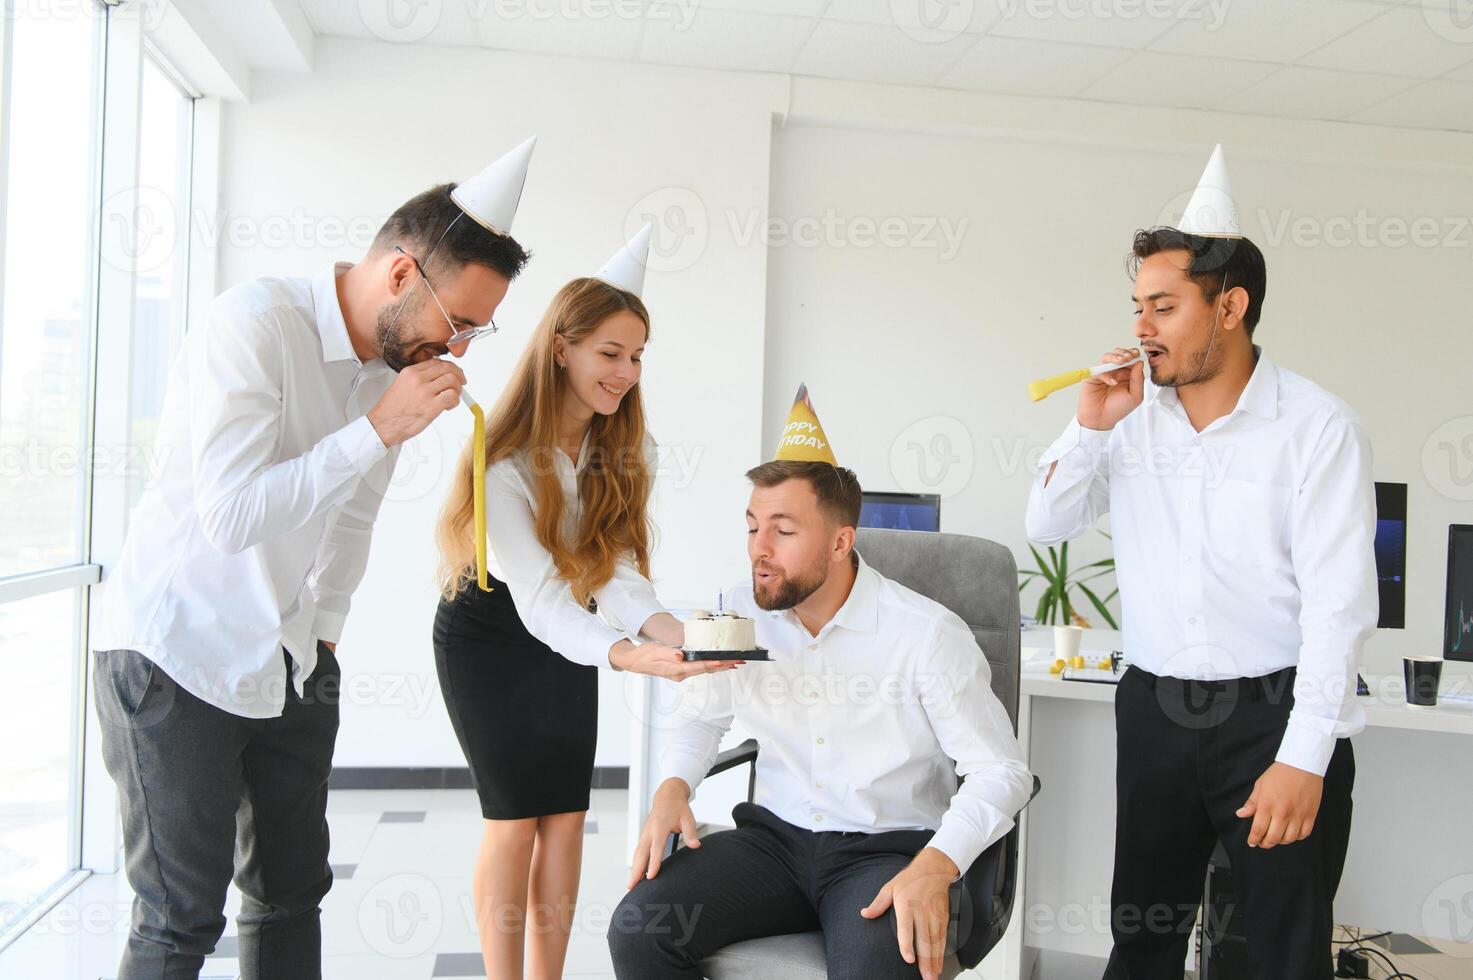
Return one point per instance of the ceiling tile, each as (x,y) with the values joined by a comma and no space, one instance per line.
(1315,93)
(1430,105)
(1119,24)
(928,19)
(601,30)
(793,8)
(725,39)
(1023,67)
(1151,78)
(1401,41)
(870,53)
(1266,30)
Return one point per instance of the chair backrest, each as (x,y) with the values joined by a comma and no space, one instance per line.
(975,578)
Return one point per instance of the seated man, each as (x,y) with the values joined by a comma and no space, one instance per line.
(859,828)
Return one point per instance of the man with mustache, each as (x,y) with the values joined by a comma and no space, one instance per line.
(876,700)
(1247,589)
(215,670)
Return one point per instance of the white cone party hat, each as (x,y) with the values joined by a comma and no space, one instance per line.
(1211,212)
(491,196)
(625,268)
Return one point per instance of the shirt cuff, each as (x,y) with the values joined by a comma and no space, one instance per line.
(684,765)
(328,625)
(956,843)
(1305,748)
(1074,436)
(360,443)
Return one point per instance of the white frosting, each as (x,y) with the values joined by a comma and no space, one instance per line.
(725,631)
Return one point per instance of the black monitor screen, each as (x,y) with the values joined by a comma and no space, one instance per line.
(1457,641)
(901,511)
(1391,553)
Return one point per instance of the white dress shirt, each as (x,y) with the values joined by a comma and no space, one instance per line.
(256,531)
(543,599)
(1240,550)
(867,726)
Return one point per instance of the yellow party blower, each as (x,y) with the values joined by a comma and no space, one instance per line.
(478,486)
(1041,389)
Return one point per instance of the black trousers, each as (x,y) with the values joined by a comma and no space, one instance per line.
(769,878)
(1188,754)
(206,794)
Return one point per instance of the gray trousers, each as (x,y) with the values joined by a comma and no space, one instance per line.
(205,795)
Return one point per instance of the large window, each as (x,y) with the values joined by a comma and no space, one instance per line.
(62,97)
(50,184)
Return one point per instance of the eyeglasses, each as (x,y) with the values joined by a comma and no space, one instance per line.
(457,335)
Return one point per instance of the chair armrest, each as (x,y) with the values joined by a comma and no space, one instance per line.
(737,755)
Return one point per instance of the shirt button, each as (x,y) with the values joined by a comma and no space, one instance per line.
(818,818)
(818,785)
(819,740)
(1191,620)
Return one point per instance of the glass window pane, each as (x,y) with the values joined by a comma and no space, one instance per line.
(45,319)
(162,260)
(38,791)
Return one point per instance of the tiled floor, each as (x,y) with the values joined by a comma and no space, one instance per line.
(400,906)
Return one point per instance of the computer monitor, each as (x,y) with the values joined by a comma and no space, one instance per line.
(1457,631)
(901,511)
(1391,554)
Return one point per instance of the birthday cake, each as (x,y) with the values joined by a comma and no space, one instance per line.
(720,631)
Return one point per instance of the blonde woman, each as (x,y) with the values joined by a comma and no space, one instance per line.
(568,481)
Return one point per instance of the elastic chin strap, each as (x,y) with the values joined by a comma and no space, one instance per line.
(1212,338)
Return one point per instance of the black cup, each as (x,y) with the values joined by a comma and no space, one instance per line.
(1422,675)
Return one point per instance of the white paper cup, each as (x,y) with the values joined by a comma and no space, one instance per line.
(1066,641)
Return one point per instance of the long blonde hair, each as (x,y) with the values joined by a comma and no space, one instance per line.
(614,487)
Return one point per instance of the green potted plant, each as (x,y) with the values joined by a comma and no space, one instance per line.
(1056,605)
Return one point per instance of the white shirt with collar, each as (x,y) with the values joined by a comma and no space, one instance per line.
(255,532)
(1240,550)
(867,726)
(544,600)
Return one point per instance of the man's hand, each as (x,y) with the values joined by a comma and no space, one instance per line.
(1107,398)
(670,813)
(663,661)
(420,393)
(921,895)
(1283,805)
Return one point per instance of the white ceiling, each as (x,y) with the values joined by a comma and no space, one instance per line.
(1392,62)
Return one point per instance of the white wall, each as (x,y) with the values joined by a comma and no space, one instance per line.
(899,345)
(917,355)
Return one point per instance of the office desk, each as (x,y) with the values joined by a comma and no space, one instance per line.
(1410,866)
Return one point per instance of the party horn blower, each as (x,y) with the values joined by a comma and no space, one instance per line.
(478,486)
(1042,388)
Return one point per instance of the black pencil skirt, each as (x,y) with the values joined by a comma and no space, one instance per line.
(526,717)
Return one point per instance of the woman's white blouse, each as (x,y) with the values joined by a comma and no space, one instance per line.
(543,600)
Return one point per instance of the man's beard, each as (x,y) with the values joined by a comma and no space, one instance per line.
(792,591)
(397,345)
(1200,368)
